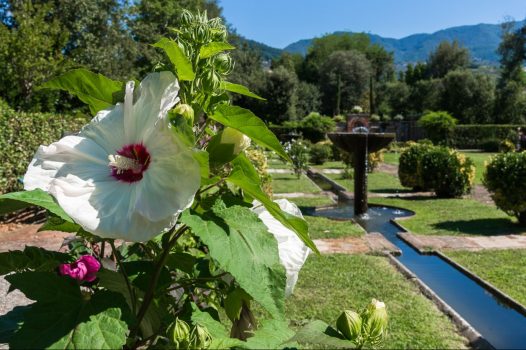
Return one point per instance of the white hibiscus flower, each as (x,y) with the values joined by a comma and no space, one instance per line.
(292,251)
(125,175)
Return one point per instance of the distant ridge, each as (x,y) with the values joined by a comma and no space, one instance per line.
(482,40)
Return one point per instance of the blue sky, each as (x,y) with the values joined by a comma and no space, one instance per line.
(281,22)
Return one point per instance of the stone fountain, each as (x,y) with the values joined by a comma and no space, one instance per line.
(360,142)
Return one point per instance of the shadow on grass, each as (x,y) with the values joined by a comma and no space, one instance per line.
(391,190)
(482,227)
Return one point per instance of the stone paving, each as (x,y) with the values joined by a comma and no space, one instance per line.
(471,243)
(369,243)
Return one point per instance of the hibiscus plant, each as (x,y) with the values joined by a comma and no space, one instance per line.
(173,239)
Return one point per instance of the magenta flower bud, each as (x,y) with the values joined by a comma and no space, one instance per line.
(84,269)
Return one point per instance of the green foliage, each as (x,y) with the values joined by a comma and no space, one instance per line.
(65,317)
(318,122)
(298,151)
(281,86)
(409,168)
(258,158)
(248,240)
(449,173)
(20,136)
(439,126)
(320,152)
(471,136)
(31,258)
(18,200)
(490,145)
(504,179)
(447,57)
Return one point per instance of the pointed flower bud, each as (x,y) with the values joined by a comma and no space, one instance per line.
(231,136)
(200,338)
(186,111)
(180,334)
(349,324)
(374,322)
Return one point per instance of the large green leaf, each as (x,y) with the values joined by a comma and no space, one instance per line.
(245,176)
(220,337)
(214,48)
(97,91)
(245,121)
(63,318)
(18,200)
(56,223)
(320,333)
(240,89)
(271,334)
(31,258)
(182,65)
(241,244)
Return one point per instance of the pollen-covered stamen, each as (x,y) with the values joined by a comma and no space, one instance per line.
(121,163)
(130,163)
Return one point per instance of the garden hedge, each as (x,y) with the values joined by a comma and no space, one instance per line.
(20,135)
(477,135)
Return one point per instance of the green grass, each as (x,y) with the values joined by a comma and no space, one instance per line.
(478,158)
(391,157)
(331,283)
(277,163)
(287,183)
(326,228)
(377,182)
(310,201)
(452,217)
(330,165)
(505,269)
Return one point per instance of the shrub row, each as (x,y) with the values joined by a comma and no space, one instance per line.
(441,169)
(21,134)
(505,179)
(479,136)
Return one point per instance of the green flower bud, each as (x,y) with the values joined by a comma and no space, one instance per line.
(186,111)
(374,322)
(349,324)
(231,136)
(211,81)
(186,17)
(223,63)
(200,338)
(179,333)
(202,33)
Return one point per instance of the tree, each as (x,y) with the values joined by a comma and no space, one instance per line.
(415,73)
(30,52)
(280,91)
(468,96)
(344,78)
(291,61)
(426,95)
(308,99)
(447,57)
(396,96)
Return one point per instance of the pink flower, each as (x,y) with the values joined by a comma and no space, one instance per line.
(84,269)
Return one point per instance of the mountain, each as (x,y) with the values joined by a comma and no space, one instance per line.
(482,40)
(266,52)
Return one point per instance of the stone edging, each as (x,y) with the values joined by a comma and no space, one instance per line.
(475,338)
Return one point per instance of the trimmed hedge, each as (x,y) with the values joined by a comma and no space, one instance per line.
(20,135)
(476,135)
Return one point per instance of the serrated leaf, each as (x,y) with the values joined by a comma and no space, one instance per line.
(320,333)
(245,176)
(241,244)
(31,258)
(182,65)
(271,334)
(204,165)
(96,90)
(246,122)
(234,302)
(62,318)
(240,89)
(18,200)
(213,48)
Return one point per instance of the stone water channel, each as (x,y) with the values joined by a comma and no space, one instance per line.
(499,324)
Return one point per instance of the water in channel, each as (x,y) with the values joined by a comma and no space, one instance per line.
(502,326)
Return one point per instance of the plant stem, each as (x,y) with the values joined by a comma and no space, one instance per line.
(121,267)
(153,282)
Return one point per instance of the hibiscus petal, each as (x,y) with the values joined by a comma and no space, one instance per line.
(107,129)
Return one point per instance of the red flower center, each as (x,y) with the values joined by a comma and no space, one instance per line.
(130,163)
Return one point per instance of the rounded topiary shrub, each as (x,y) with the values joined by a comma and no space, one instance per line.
(505,179)
(320,152)
(439,126)
(409,162)
(449,173)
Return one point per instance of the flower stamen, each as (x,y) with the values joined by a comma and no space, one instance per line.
(121,163)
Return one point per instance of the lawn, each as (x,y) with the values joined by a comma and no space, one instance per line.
(287,183)
(329,284)
(377,182)
(317,201)
(320,227)
(452,217)
(505,269)
(478,158)
(391,157)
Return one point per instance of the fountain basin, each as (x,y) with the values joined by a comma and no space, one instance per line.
(351,141)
